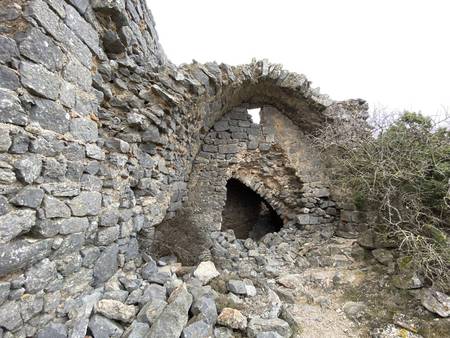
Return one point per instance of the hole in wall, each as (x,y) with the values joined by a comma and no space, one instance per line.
(247,213)
(255,114)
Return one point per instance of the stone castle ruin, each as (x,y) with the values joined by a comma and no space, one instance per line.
(112,157)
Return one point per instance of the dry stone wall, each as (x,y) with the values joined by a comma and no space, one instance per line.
(101,138)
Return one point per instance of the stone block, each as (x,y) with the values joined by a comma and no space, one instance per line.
(39,80)
(15,223)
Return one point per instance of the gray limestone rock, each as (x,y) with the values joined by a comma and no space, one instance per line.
(4,291)
(50,115)
(436,302)
(10,317)
(102,327)
(7,176)
(87,203)
(77,74)
(11,110)
(174,317)
(137,330)
(4,206)
(39,80)
(18,254)
(80,5)
(108,235)
(39,48)
(5,140)
(83,129)
(15,223)
(29,196)
(8,78)
(106,265)
(198,329)
(8,49)
(20,144)
(53,330)
(206,306)
(40,275)
(28,168)
(53,208)
(258,325)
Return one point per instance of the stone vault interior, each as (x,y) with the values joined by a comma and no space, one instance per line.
(247,213)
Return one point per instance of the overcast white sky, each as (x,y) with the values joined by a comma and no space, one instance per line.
(393,53)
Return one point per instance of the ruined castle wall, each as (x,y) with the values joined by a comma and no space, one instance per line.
(98,136)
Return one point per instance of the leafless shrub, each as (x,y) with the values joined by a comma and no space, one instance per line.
(399,166)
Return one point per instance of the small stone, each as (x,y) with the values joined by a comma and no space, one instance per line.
(198,329)
(87,203)
(28,168)
(136,330)
(8,78)
(40,275)
(15,223)
(242,288)
(4,291)
(30,197)
(106,265)
(20,144)
(114,309)
(259,325)
(436,302)
(83,129)
(354,310)
(39,80)
(11,110)
(55,208)
(173,319)
(50,115)
(232,318)
(383,256)
(5,140)
(102,327)
(10,317)
(53,330)
(151,311)
(205,272)
(95,152)
(206,306)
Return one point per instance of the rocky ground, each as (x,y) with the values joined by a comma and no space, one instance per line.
(294,283)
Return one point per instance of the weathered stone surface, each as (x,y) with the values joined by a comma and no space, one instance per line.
(53,330)
(106,265)
(83,129)
(198,329)
(383,256)
(4,291)
(114,309)
(77,74)
(15,223)
(242,287)
(206,306)
(8,78)
(206,271)
(102,327)
(39,80)
(87,203)
(354,310)
(8,49)
(95,152)
(151,310)
(137,330)
(28,168)
(436,302)
(55,208)
(82,312)
(11,110)
(19,254)
(39,48)
(232,318)
(258,325)
(5,140)
(29,196)
(108,235)
(40,275)
(50,115)
(174,317)
(10,317)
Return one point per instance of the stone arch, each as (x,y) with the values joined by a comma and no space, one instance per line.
(234,148)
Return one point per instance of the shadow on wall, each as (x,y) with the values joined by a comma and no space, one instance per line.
(247,213)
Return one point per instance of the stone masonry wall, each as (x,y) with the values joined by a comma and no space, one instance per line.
(98,136)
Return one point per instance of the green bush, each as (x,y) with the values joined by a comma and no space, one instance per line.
(402,171)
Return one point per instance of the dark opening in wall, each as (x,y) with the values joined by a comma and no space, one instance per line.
(247,213)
